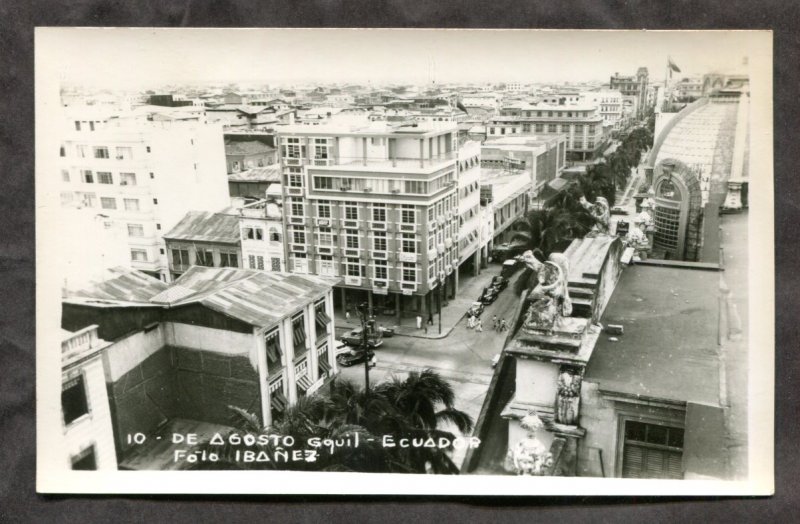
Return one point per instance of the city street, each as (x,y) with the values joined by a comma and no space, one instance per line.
(464,357)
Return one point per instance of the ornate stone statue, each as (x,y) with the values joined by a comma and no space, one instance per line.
(529,456)
(549,300)
(568,396)
(601,211)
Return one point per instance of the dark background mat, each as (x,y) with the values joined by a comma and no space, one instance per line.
(18,499)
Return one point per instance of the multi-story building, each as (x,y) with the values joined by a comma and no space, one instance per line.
(377,203)
(203,238)
(247,154)
(609,104)
(261,234)
(88,439)
(634,87)
(581,124)
(143,170)
(542,157)
(182,354)
(476,222)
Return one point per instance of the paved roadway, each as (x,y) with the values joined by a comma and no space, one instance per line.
(464,357)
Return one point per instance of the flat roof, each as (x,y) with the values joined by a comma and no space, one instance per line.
(359,126)
(669,347)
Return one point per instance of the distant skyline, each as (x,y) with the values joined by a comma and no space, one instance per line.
(136,59)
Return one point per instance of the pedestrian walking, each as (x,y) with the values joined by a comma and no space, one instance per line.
(419,321)
(479,326)
(347,314)
(469,321)
(430,319)
(495,325)
(503,326)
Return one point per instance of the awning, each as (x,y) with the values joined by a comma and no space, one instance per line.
(299,334)
(323,363)
(273,347)
(304,383)
(278,401)
(322,318)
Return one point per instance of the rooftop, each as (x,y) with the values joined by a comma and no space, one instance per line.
(248,147)
(361,126)
(270,173)
(122,286)
(258,298)
(204,226)
(669,316)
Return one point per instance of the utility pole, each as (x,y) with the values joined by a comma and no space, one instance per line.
(362,313)
(441,302)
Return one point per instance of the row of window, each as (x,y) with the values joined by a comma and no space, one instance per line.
(90,200)
(102,177)
(380,185)
(101,152)
(204,257)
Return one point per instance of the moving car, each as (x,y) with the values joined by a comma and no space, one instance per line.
(352,357)
(475,310)
(488,296)
(499,282)
(355,338)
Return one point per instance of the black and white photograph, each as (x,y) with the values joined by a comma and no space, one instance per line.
(499,262)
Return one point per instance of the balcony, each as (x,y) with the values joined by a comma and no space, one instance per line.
(376,163)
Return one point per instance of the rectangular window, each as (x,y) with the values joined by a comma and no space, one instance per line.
(326,266)
(381,269)
(298,236)
(228,260)
(351,238)
(409,244)
(552,128)
(652,451)
(77,125)
(417,187)
(124,153)
(131,204)
(539,128)
(204,257)
(101,152)
(180,257)
(87,176)
(350,212)
(74,403)
(127,179)
(252,233)
(135,230)
(296,207)
(409,272)
(379,213)
(325,236)
(407,214)
(324,208)
(353,267)
(295,180)
(139,255)
(104,177)
(323,182)
(108,203)
(379,241)
(298,262)
(64,175)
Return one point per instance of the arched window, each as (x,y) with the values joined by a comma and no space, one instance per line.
(274,235)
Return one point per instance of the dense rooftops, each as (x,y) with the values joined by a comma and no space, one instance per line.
(204,226)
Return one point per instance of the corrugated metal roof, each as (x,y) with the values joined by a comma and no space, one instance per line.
(249,147)
(204,226)
(123,286)
(258,298)
(258,174)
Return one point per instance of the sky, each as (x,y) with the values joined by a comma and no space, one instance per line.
(126,58)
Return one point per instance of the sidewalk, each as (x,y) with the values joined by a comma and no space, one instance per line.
(469,289)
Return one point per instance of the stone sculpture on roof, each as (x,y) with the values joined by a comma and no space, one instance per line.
(601,212)
(529,456)
(549,301)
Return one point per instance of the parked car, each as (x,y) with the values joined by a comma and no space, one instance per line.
(488,296)
(475,310)
(340,347)
(618,210)
(499,282)
(387,332)
(355,356)
(501,252)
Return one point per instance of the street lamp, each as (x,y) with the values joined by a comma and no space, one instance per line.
(442,283)
(363,311)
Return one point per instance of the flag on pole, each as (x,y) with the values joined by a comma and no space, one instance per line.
(672,65)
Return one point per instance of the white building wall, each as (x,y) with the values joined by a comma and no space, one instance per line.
(94,428)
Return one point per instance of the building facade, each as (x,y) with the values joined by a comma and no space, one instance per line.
(203,239)
(181,355)
(88,440)
(582,126)
(634,87)
(377,204)
(143,172)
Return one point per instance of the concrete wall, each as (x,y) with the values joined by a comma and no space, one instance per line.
(93,429)
(536,382)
